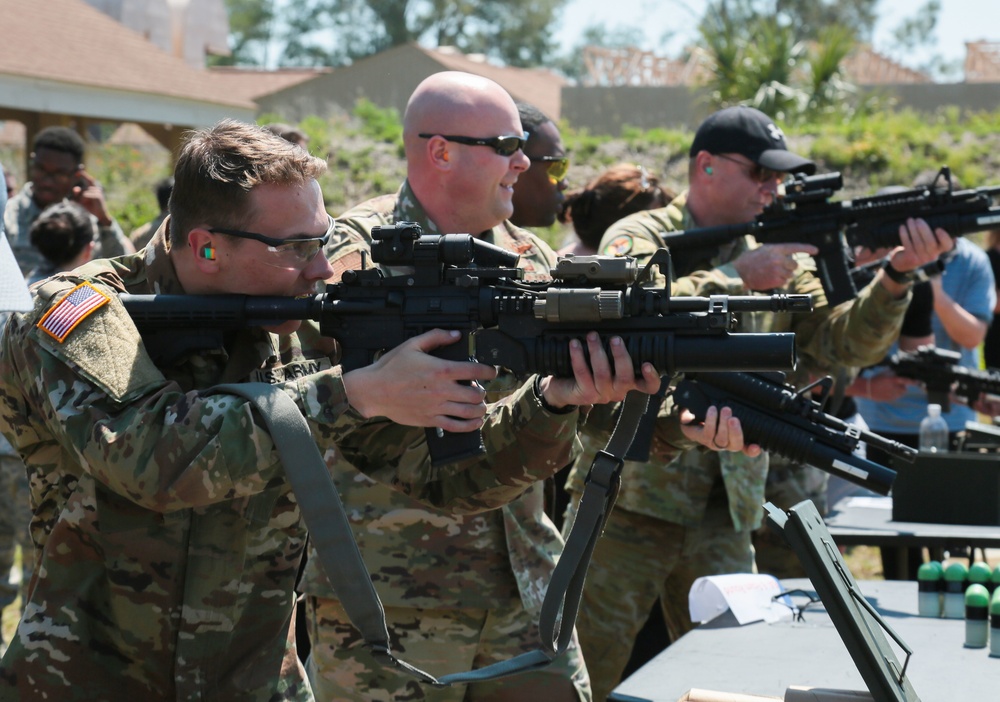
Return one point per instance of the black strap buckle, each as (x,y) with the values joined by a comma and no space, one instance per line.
(606,470)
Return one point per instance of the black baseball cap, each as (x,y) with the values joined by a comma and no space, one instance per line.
(748,131)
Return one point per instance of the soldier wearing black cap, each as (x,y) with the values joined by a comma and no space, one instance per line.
(692,516)
(751,133)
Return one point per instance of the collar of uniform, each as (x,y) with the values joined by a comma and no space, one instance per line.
(409,209)
(161,276)
(254,349)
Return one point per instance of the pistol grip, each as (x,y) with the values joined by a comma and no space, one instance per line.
(446,446)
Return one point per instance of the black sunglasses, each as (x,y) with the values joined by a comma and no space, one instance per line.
(754,171)
(293,251)
(503,145)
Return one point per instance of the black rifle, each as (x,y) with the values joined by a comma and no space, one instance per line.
(941,374)
(807,215)
(457,282)
(791,423)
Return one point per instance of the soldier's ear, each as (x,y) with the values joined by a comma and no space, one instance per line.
(203,246)
(437,152)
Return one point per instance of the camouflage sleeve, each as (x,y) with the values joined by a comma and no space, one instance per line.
(722,280)
(98,397)
(638,235)
(858,332)
(524,442)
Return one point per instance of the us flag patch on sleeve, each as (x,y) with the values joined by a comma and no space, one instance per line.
(75,307)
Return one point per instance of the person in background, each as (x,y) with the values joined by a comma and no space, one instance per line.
(289,133)
(964,297)
(538,192)
(56,172)
(141,236)
(66,235)
(619,191)
(991,344)
(10,180)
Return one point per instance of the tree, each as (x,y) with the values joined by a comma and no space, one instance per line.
(781,67)
(329,32)
(251,25)
(808,17)
(917,32)
(572,64)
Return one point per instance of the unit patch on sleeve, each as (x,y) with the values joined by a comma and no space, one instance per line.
(619,246)
(72,309)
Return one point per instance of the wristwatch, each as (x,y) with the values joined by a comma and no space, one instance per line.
(898,276)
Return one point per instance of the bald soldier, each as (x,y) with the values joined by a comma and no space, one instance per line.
(459,592)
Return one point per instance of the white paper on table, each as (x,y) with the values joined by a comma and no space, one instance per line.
(866,502)
(747,595)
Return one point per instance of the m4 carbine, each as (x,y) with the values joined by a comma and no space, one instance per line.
(791,424)
(806,214)
(455,281)
(941,374)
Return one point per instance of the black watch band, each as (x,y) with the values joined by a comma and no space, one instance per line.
(537,389)
(897,276)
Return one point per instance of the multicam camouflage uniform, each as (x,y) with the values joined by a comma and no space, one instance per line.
(21,211)
(459,591)
(14,517)
(693,516)
(167,537)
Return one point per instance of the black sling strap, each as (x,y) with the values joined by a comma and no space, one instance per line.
(341,559)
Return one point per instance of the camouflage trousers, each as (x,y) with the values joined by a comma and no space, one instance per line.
(636,560)
(439,641)
(15,515)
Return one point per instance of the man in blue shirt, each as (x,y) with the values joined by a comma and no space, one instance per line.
(964,297)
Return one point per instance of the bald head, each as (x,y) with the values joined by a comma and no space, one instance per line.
(463,187)
(453,102)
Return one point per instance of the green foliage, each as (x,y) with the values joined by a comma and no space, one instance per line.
(318,130)
(383,124)
(251,24)
(339,32)
(364,153)
(788,70)
(128,175)
(892,148)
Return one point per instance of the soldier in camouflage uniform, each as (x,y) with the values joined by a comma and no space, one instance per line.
(14,511)
(56,173)
(677,520)
(167,537)
(459,592)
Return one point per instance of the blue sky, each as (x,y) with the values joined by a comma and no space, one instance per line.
(959,21)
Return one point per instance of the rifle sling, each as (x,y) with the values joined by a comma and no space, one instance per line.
(343,565)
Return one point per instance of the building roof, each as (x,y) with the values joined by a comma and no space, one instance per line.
(982,62)
(865,66)
(633,66)
(538,86)
(65,57)
(389,77)
(251,83)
